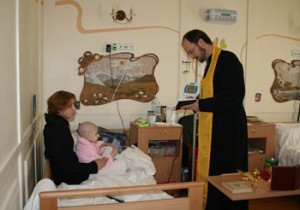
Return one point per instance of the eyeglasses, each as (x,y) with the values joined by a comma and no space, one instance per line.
(190,52)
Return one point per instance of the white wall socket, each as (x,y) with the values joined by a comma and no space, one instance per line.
(122,47)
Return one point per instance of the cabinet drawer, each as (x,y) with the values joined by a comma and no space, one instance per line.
(164,134)
(255,131)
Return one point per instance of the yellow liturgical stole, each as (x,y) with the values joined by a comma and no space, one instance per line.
(205,124)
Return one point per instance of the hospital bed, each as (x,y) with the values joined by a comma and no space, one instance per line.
(287,144)
(136,190)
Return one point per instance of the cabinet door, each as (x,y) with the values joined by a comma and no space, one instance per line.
(168,169)
(256,161)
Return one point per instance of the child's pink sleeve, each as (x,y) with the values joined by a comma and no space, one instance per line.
(99,149)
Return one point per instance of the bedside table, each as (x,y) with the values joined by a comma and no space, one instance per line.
(168,138)
(261,137)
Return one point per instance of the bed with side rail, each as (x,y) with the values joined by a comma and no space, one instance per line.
(192,201)
(136,190)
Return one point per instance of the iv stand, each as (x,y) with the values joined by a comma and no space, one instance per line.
(195,125)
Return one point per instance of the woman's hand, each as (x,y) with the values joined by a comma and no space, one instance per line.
(101,162)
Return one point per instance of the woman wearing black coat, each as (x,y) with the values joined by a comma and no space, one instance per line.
(59,143)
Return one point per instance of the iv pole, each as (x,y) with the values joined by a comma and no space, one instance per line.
(195,118)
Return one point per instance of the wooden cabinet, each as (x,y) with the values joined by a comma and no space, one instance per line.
(167,161)
(261,141)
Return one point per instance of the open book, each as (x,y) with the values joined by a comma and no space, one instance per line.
(184,101)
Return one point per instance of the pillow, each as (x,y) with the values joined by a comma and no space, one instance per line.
(116,138)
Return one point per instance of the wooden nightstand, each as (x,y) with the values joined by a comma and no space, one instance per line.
(261,141)
(168,139)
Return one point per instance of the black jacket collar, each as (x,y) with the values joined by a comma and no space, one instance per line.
(56,119)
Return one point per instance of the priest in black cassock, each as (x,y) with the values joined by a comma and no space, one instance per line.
(222,126)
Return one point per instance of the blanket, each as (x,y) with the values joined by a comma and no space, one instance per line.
(140,172)
(287,147)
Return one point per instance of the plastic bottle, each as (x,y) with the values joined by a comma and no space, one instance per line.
(155,106)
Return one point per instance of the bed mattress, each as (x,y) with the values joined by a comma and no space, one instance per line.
(287,144)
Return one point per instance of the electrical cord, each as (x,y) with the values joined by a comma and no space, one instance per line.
(123,126)
(116,199)
(111,72)
(177,153)
(125,70)
(108,49)
(175,157)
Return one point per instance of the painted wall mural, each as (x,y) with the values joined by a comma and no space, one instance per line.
(286,85)
(117,76)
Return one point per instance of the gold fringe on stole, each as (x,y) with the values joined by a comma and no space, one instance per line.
(205,125)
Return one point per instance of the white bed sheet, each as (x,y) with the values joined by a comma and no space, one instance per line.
(140,172)
(287,144)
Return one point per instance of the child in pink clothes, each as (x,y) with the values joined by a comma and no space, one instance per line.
(88,148)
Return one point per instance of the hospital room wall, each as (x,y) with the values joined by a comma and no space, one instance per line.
(64,43)
(29,69)
(9,164)
(157,30)
(20,83)
(273,33)
(265,31)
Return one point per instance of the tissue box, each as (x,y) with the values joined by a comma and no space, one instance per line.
(285,178)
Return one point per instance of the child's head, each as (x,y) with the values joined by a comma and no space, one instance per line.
(89,131)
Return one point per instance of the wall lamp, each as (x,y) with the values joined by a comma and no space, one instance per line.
(120,16)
